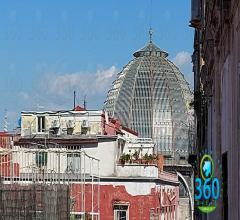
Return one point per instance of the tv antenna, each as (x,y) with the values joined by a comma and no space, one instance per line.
(74,100)
(85,102)
(5,127)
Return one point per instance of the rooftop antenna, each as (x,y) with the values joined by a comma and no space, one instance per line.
(74,100)
(85,102)
(5,127)
(150,23)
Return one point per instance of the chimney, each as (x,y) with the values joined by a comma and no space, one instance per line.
(160,162)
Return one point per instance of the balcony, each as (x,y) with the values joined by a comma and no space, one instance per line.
(137,170)
(138,165)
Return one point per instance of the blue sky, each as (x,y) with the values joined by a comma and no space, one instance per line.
(49,48)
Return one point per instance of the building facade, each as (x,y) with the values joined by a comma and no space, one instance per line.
(216,60)
(6,143)
(111,173)
(151,96)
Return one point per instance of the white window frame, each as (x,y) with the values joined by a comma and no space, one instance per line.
(41,128)
(116,210)
(74,162)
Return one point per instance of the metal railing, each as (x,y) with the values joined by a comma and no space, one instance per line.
(56,166)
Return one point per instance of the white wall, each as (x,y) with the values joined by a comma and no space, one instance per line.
(106,153)
(137,171)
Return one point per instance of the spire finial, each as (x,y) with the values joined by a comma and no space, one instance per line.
(150,23)
(150,34)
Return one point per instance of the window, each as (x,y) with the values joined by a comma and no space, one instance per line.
(73,162)
(41,159)
(121,212)
(41,123)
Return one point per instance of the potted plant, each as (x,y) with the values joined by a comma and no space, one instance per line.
(150,159)
(127,158)
(145,159)
(136,156)
(124,158)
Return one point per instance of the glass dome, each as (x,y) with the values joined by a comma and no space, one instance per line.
(151,96)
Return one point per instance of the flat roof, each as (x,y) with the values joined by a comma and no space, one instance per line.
(68,140)
(63,112)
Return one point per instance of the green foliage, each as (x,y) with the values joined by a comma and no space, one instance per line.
(146,157)
(150,157)
(136,155)
(125,158)
(72,217)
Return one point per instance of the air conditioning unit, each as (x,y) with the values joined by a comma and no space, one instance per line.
(70,124)
(55,124)
(54,129)
(85,124)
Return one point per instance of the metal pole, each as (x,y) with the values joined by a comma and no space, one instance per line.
(81,180)
(58,166)
(98,190)
(84,178)
(74,100)
(11,167)
(91,171)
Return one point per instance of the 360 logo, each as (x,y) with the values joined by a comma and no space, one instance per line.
(207,188)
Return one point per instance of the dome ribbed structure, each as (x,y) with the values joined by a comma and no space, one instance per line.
(151,96)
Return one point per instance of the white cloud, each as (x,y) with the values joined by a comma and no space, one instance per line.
(183,61)
(55,90)
(89,83)
(104,78)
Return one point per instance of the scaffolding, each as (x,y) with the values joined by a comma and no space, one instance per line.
(34,201)
(59,175)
